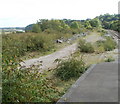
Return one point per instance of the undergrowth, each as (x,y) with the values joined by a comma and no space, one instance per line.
(71,68)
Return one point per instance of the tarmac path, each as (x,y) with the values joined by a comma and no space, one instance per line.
(98,84)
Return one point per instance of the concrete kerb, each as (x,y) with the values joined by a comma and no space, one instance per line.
(75,85)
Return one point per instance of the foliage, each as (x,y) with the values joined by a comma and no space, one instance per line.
(110,21)
(56,26)
(71,68)
(28,28)
(36,28)
(85,47)
(18,45)
(109,59)
(95,23)
(18,84)
(27,85)
(76,26)
(108,45)
(87,25)
(99,49)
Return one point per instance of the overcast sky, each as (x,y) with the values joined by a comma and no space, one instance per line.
(20,13)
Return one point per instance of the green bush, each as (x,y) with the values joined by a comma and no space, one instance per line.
(19,44)
(72,68)
(99,49)
(109,59)
(27,86)
(108,45)
(85,47)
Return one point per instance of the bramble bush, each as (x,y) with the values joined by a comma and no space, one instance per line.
(26,85)
(71,68)
(19,44)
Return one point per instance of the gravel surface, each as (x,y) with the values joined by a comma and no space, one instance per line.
(47,62)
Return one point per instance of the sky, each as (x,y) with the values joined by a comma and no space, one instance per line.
(20,13)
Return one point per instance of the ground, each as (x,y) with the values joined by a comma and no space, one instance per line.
(98,84)
(47,62)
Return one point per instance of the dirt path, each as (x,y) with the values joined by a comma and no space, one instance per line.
(47,62)
(94,58)
(93,37)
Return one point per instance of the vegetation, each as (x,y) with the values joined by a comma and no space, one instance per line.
(17,45)
(71,68)
(26,84)
(85,47)
(110,21)
(49,26)
(109,59)
(63,26)
(105,21)
(29,85)
(108,45)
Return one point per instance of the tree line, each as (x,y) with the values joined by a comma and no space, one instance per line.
(110,21)
(105,21)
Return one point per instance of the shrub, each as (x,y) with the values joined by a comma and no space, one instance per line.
(100,49)
(18,45)
(26,86)
(71,68)
(108,45)
(85,47)
(109,59)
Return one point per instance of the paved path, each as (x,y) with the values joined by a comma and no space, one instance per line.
(98,84)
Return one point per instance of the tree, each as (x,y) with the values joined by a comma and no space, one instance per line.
(36,28)
(74,25)
(115,25)
(87,25)
(95,22)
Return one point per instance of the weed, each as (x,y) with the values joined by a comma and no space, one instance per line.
(109,59)
(108,45)
(71,68)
